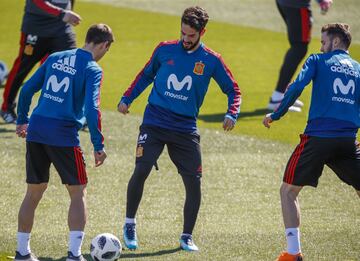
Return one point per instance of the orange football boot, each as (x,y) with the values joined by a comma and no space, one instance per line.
(285,256)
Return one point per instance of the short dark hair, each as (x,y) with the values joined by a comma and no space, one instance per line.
(196,17)
(338,30)
(99,33)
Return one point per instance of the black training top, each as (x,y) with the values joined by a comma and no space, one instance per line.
(44,18)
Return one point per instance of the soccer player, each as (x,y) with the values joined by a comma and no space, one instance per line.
(46,28)
(70,84)
(181,71)
(298,19)
(330,135)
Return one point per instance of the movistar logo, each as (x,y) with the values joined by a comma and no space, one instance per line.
(179,85)
(339,86)
(55,85)
(67,65)
(344,89)
(142,138)
(31,39)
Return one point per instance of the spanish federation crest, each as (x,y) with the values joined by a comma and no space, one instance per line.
(199,68)
(139,151)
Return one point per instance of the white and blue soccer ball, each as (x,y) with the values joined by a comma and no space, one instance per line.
(3,72)
(105,247)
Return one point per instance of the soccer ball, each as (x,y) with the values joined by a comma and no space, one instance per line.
(105,247)
(3,72)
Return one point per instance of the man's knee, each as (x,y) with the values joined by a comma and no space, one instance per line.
(289,191)
(299,49)
(35,191)
(192,183)
(142,170)
(76,191)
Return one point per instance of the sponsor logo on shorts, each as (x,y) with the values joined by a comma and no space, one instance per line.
(31,39)
(142,138)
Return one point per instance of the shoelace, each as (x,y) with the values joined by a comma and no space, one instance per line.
(130,231)
(188,240)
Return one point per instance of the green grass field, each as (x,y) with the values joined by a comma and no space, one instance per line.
(240,216)
(253,55)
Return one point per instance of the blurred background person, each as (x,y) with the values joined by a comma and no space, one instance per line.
(46,28)
(298,19)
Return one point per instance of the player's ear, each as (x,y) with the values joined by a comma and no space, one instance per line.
(202,31)
(337,41)
(108,44)
(103,45)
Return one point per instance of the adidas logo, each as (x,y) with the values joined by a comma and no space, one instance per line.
(67,65)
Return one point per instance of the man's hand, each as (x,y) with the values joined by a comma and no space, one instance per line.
(21,130)
(71,18)
(267,120)
(325,5)
(99,156)
(123,108)
(228,124)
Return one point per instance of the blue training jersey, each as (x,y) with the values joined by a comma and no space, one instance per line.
(335,100)
(181,79)
(70,84)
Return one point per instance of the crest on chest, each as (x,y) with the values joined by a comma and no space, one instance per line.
(199,68)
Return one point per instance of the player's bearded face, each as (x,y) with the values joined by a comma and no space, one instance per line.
(190,38)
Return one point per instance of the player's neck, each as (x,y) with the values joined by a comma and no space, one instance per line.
(89,48)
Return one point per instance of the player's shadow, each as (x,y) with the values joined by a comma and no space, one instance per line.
(123,255)
(157,253)
(86,256)
(4,130)
(219,117)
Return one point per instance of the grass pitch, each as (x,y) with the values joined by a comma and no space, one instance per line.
(240,216)
(253,55)
(239,219)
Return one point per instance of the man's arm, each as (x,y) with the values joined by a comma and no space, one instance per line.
(49,9)
(324,5)
(33,85)
(144,78)
(92,106)
(229,86)
(294,90)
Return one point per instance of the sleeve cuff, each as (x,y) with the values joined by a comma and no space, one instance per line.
(99,147)
(125,100)
(21,121)
(231,117)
